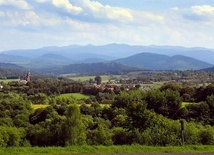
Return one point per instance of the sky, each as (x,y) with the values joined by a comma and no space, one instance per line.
(29,24)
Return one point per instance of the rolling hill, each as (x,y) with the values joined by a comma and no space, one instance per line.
(163,62)
(83,68)
(11,66)
(210,69)
(4,58)
(11,70)
(48,61)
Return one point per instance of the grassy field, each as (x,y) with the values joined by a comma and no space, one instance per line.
(9,80)
(75,95)
(105,78)
(183,104)
(154,85)
(37,106)
(82,150)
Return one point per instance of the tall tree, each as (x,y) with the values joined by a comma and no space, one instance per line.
(74,127)
(98,79)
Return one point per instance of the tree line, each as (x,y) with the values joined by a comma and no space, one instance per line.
(107,117)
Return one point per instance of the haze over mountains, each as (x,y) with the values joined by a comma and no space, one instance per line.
(147,57)
(163,62)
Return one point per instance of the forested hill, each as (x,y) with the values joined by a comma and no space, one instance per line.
(5,72)
(163,62)
(92,68)
(211,69)
(11,66)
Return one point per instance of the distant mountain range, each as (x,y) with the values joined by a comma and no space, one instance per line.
(163,62)
(147,57)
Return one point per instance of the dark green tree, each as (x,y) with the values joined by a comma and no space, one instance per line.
(100,136)
(98,79)
(74,128)
(136,115)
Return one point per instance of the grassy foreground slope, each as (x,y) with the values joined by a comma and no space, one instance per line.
(105,150)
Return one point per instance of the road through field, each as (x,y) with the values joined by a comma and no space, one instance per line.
(163,154)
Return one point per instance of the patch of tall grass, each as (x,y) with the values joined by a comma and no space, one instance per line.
(86,149)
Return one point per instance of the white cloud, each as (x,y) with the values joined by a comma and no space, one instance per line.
(119,14)
(66,5)
(175,8)
(61,22)
(96,11)
(203,10)
(99,11)
(27,19)
(146,18)
(20,4)
(36,20)
(203,14)
(42,1)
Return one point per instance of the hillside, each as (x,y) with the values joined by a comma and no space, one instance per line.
(11,66)
(4,58)
(5,72)
(210,69)
(91,68)
(163,62)
(48,61)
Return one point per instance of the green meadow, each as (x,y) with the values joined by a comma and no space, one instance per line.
(183,104)
(74,95)
(77,96)
(8,80)
(105,78)
(154,85)
(122,149)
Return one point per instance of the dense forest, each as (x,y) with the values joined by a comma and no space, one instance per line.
(106,117)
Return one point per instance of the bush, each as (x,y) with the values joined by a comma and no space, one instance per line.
(11,136)
(206,136)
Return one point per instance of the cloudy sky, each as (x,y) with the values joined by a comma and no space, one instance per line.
(39,23)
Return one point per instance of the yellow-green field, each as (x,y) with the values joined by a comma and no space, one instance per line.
(154,85)
(183,104)
(38,106)
(105,78)
(8,80)
(75,95)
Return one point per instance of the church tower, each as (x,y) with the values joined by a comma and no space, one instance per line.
(28,77)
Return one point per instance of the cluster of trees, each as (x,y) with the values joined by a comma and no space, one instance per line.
(10,73)
(189,77)
(69,124)
(107,117)
(49,86)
